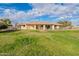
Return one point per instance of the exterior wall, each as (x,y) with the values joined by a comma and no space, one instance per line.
(30,27)
(57,27)
(23,27)
(27,27)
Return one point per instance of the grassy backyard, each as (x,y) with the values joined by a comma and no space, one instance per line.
(39,43)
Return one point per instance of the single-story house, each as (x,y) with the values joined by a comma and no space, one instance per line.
(39,26)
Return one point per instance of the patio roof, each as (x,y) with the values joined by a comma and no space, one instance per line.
(39,23)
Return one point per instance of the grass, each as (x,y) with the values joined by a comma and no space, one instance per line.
(40,43)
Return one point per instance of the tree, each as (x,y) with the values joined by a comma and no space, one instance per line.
(4,23)
(65,23)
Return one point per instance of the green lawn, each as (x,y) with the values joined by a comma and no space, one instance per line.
(39,43)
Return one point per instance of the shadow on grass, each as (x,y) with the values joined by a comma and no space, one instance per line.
(8,31)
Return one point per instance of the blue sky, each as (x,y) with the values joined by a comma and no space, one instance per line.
(51,12)
(17,6)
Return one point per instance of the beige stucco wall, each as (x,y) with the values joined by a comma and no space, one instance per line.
(57,27)
(22,27)
(30,27)
(27,27)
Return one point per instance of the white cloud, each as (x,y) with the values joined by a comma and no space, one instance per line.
(13,14)
(21,14)
(43,9)
(63,12)
(50,9)
(53,10)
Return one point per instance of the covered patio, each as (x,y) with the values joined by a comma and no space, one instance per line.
(40,26)
(46,27)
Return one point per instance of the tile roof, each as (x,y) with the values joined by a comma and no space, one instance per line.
(39,23)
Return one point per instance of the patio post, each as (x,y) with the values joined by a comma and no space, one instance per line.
(34,27)
(44,27)
(53,27)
